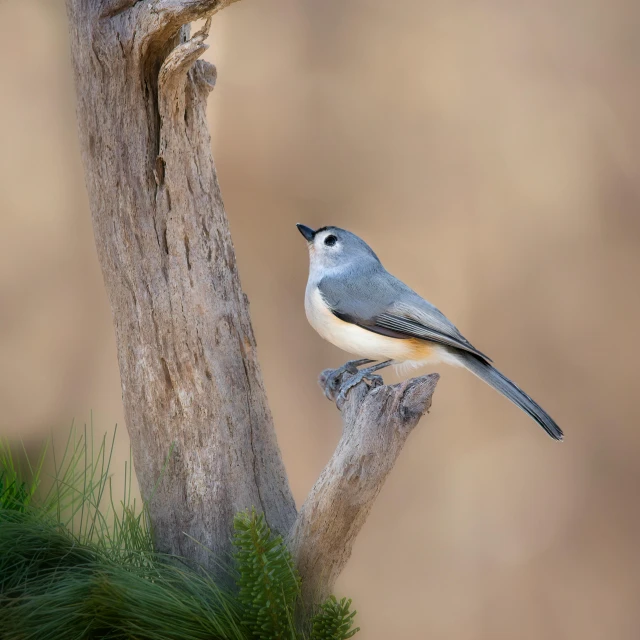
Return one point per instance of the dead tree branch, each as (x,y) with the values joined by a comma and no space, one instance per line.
(377,423)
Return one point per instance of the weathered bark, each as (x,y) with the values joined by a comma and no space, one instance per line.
(186,350)
(377,423)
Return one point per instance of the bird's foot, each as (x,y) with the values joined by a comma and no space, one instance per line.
(331,379)
(367,375)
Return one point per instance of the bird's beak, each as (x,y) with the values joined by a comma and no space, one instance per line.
(307,232)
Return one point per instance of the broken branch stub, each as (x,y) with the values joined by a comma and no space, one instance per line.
(377,422)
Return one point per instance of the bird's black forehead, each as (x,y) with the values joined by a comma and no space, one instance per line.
(327,228)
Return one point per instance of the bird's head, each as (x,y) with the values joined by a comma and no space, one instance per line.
(332,247)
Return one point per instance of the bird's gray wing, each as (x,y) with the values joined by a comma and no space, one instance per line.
(377,301)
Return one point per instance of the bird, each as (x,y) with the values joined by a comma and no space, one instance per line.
(353,302)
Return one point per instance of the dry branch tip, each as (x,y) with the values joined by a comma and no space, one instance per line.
(377,422)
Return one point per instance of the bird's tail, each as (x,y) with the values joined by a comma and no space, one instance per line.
(501,383)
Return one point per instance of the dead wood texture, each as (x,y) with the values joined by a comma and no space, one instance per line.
(186,350)
(376,424)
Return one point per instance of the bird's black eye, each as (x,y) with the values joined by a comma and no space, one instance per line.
(330,241)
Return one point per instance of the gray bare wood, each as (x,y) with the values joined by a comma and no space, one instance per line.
(376,425)
(186,349)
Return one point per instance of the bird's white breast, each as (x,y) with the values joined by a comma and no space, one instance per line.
(354,339)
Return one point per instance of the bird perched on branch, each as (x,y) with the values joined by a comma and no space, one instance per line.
(352,301)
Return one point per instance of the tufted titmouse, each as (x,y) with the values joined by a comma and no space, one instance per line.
(352,301)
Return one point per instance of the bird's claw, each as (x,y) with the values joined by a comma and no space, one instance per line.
(373,379)
(331,379)
(335,388)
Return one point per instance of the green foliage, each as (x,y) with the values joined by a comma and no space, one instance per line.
(78,495)
(269,584)
(15,491)
(52,586)
(333,621)
(81,498)
(13,494)
(77,564)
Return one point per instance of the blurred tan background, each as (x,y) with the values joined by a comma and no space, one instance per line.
(490,153)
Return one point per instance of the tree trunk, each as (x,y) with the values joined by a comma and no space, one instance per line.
(186,349)
(187,354)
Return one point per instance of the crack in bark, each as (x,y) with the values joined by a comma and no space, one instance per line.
(186,253)
(253,451)
(94,49)
(153,318)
